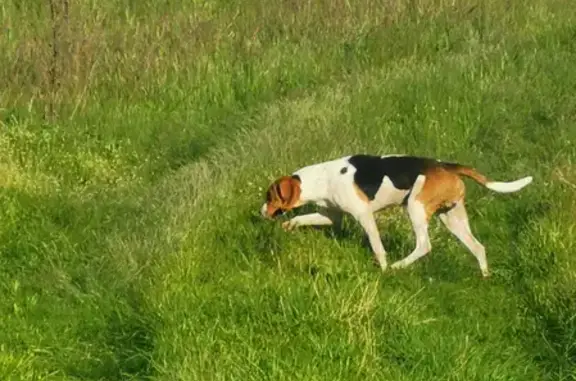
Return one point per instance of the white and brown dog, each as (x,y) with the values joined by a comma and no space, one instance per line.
(363,184)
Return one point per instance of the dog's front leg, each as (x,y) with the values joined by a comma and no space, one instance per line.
(317,219)
(368,222)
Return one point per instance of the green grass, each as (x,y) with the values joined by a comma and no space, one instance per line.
(133,162)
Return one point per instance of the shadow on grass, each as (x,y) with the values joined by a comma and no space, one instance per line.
(266,240)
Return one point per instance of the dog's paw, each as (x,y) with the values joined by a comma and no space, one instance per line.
(383,266)
(288,225)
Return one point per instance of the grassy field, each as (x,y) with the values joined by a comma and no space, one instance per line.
(136,141)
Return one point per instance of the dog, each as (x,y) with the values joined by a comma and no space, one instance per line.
(363,184)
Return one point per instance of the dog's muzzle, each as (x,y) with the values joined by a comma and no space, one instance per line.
(264,212)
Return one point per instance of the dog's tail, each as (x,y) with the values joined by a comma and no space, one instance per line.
(496,186)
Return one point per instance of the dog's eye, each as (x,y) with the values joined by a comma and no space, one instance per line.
(278,212)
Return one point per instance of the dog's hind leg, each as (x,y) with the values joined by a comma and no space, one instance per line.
(456,220)
(420,219)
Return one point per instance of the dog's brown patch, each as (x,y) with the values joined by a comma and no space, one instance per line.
(442,189)
(468,172)
(361,194)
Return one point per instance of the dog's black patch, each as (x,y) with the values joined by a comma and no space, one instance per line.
(344,170)
(401,170)
(296,177)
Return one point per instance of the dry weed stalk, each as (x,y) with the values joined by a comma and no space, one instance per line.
(59,14)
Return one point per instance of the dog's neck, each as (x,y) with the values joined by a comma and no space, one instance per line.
(315,181)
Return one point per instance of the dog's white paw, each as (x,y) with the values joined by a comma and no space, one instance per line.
(288,225)
(382,264)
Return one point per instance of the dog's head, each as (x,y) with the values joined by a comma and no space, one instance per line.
(282,195)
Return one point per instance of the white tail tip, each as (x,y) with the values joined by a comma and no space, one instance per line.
(509,187)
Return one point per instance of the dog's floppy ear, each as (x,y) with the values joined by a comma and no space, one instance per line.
(289,191)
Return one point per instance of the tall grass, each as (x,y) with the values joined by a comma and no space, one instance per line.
(136,138)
